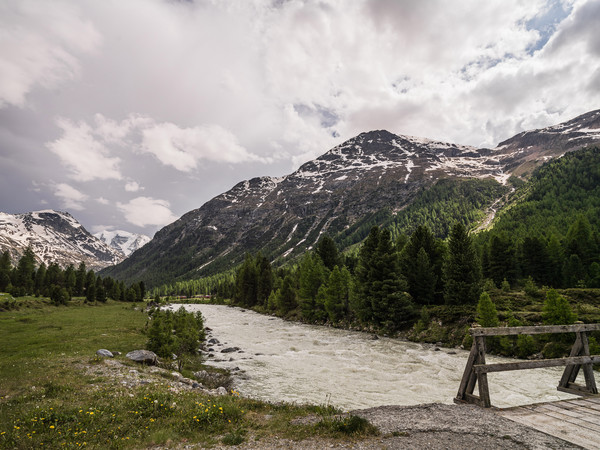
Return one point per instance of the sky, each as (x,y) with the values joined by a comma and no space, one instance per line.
(130,113)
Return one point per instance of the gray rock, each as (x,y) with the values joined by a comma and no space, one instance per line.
(230,350)
(221,390)
(213,341)
(104,353)
(143,357)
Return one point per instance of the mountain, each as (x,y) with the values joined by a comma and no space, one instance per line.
(366,180)
(54,236)
(123,241)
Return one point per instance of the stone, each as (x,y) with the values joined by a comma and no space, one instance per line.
(213,341)
(221,391)
(104,353)
(230,350)
(143,356)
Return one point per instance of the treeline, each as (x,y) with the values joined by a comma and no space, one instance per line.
(62,284)
(382,287)
(219,285)
(552,232)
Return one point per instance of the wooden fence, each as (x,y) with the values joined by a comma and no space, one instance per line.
(476,369)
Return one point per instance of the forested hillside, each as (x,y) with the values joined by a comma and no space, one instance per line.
(547,234)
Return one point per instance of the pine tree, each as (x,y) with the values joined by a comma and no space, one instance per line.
(265,279)
(462,271)
(80,278)
(391,306)
(5,269)
(247,283)
(26,271)
(361,301)
(287,295)
(328,252)
(502,260)
(422,238)
(487,315)
(70,278)
(557,310)
(40,279)
(336,294)
(90,286)
(312,276)
(425,279)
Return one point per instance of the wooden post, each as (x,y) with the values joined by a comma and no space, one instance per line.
(482,382)
(476,369)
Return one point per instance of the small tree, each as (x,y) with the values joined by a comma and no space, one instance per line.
(487,315)
(557,310)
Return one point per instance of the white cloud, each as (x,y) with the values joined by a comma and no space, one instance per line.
(132,186)
(103,201)
(144,211)
(40,43)
(71,198)
(224,91)
(184,148)
(86,158)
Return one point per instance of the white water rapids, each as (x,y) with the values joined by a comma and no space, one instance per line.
(293,362)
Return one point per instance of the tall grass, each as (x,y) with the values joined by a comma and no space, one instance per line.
(49,400)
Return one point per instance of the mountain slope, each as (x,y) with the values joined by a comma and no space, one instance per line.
(54,236)
(368,178)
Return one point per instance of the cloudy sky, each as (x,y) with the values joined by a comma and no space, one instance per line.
(129,113)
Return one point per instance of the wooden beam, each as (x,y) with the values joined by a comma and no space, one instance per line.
(482,382)
(521,365)
(588,370)
(545,329)
(570,373)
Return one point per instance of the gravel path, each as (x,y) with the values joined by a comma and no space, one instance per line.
(431,426)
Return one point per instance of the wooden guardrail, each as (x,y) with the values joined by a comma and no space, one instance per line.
(476,369)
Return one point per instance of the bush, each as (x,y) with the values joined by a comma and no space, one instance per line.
(177,333)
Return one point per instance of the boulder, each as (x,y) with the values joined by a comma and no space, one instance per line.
(103,353)
(213,341)
(230,350)
(143,357)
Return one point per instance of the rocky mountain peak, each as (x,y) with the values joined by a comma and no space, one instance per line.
(55,237)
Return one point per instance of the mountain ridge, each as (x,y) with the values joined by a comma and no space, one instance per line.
(55,237)
(357,179)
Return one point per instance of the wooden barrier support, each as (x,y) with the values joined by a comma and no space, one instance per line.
(476,369)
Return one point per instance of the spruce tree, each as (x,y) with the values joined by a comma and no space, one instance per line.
(286,300)
(80,278)
(247,283)
(312,276)
(422,238)
(391,306)
(361,301)
(336,294)
(26,271)
(40,279)
(425,279)
(328,252)
(557,310)
(90,286)
(265,279)
(5,269)
(487,315)
(462,272)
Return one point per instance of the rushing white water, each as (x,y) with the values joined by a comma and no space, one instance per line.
(287,361)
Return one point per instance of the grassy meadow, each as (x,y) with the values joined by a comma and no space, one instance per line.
(55,391)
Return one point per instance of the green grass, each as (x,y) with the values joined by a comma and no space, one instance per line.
(48,399)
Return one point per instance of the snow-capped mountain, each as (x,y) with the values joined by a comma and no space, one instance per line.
(54,236)
(123,241)
(348,186)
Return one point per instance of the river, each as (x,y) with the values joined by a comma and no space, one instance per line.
(294,362)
